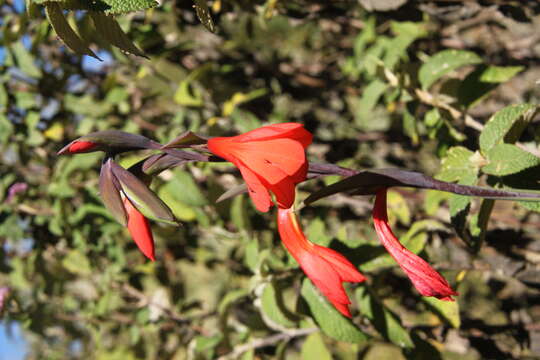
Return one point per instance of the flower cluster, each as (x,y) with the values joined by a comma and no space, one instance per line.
(272,161)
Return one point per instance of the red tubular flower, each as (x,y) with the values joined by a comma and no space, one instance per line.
(271,158)
(139,229)
(326,268)
(425,279)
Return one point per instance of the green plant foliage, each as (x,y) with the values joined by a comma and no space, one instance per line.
(443,63)
(331,322)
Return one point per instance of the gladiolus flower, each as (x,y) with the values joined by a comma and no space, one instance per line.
(271,158)
(139,229)
(326,268)
(425,279)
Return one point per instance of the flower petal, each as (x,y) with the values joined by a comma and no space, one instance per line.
(257,191)
(140,231)
(293,131)
(326,268)
(266,157)
(425,279)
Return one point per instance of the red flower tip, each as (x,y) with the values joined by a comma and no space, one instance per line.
(139,229)
(425,279)
(78,147)
(326,268)
(271,158)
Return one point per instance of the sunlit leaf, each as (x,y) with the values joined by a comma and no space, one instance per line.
(331,322)
(443,63)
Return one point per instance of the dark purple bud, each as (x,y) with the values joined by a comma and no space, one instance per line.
(144,199)
(110,141)
(109,189)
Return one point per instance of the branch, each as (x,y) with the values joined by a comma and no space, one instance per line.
(268,341)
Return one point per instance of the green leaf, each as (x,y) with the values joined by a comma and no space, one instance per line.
(107,6)
(479,83)
(314,348)
(331,322)
(506,125)
(457,163)
(64,31)
(273,307)
(25,60)
(184,95)
(447,310)
(109,29)
(443,63)
(203,13)
(186,189)
(316,232)
(382,319)
(499,74)
(239,216)
(6,129)
(77,263)
(506,159)
(370,97)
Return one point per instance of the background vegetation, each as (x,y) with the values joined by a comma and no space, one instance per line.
(379,83)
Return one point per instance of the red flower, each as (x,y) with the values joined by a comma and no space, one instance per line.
(139,229)
(326,268)
(78,147)
(271,158)
(425,279)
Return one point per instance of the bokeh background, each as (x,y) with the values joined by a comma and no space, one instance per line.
(73,284)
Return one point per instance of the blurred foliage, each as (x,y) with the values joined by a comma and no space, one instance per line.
(444,88)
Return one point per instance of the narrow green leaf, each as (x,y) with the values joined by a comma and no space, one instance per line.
(370,97)
(479,83)
(6,129)
(506,159)
(499,74)
(331,322)
(25,60)
(64,31)
(443,63)
(273,307)
(314,348)
(382,319)
(447,310)
(239,216)
(506,125)
(109,29)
